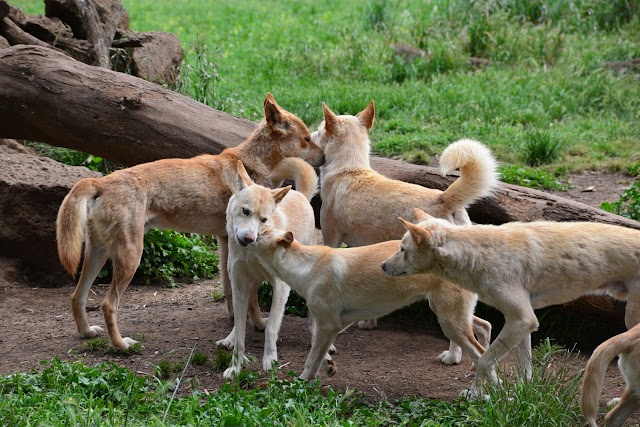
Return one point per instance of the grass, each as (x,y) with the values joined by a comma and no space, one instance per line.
(106,394)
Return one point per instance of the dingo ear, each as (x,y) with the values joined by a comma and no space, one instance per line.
(330,119)
(367,115)
(286,239)
(279,193)
(418,234)
(273,113)
(421,215)
(245,180)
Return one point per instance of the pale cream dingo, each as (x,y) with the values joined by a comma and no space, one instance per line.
(627,346)
(250,210)
(341,286)
(519,267)
(360,206)
(111,214)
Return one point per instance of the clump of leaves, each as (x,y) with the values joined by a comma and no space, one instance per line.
(628,205)
(165,368)
(132,350)
(199,358)
(532,178)
(222,359)
(296,305)
(168,254)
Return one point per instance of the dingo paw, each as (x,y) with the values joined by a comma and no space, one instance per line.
(268,362)
(260,325)
(333,349)
(613,402)
(231,372)
(450,358)
(332,368)
(368,324)
(92,332)
(228,344)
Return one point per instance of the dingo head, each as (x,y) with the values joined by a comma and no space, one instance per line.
(250,208)
(290,134)
(345,138)
(420,247)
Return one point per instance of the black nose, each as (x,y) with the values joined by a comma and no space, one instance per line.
(320,161)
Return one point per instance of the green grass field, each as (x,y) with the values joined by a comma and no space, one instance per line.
(526,77)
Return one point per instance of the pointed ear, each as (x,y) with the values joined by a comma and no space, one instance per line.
(245,180)
(421,215)
(272,112)
(418,234)
(279,193)
(286,239)
(367,115)
(330,119)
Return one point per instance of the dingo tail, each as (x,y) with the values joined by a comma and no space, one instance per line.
(594,375)
(478,173)
(71,224)
(300,171)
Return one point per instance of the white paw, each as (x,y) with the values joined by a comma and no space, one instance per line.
(228,344)
(267,362)
(333,349)
(129,342)
(92,332)
(449,358)
(470,393)
(613,402)
(231,372)
(368,324)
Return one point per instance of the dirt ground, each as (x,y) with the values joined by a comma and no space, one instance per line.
(398,359)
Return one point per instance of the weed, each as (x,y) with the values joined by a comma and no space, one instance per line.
(533,178)
(199,358)
(97,344)
(296,305)
(628,205)
(166,368)
(222,360)
(217,295)
(541,147)
(132,350)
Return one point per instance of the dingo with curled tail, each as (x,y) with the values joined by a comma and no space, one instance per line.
(361,207)
(519,267)
(627,346)
(342,285)
(110,215)
(252,208)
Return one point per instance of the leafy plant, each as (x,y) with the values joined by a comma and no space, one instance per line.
(296,305)
(222,359)
(533,178)
(199,358)
(168,254)
(628,205)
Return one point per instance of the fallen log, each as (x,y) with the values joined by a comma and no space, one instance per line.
(51,98)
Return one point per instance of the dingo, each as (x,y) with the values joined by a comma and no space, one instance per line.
(519,267)
(344,285)
(251,209)
(360,206)
(627,345)
(111,214)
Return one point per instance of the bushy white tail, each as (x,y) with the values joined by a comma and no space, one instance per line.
(301,172)
(71,224)
(594,375)
(478,173)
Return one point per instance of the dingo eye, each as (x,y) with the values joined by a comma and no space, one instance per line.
(264,219)
(401,249)
(246,211)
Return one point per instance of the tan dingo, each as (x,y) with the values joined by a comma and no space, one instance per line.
(344,285)
(251,209)
(627,346)
(111,214)
(519,267)
(360,206)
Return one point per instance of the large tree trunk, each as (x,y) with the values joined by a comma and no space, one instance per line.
(48,97)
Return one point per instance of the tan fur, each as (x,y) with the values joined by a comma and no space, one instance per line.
(627,346)
(111,214)
(360,206)
(519,267)
(341,286)
(250,210)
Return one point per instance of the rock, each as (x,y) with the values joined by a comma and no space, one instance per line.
(31,191)
(159,57)
(4,43)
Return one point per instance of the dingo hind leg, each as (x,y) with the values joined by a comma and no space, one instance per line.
(323,335)
(94,259)
(126,252)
